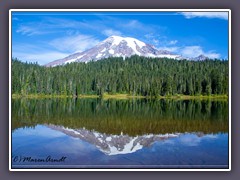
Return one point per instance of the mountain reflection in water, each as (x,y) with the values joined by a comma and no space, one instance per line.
(90,149)
(114,144)
(121,133)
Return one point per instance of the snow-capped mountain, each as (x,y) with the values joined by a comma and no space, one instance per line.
(201,58)
(115,46)
(114,144)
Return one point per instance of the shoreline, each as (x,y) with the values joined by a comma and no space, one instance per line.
(121,96)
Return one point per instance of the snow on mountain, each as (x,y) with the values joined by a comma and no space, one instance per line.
(114,144)
(115,46)
(200,58)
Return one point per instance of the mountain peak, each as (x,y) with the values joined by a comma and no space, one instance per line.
(201,57)
(115,46)
(132,42)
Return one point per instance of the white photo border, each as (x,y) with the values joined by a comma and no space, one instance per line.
(117,10)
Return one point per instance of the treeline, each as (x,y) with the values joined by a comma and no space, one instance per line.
(134,76)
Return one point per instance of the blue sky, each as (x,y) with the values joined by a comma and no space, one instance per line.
(46,36)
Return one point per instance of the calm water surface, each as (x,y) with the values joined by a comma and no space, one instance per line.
(96,133)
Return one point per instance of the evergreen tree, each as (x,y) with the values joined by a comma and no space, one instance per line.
(135,76)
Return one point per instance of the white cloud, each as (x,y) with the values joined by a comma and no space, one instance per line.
(61,23)
(40,57)
(38,130)
(190,140)
(191,51)
(155,42)
(45,52)
(111,32)
(173,42)
(134,27)
(211,136)
(212,55)
(174,49)
(152,39)
(134,24)
(194,51)
(220,15)
(29,30)
(149,36)
(15,19)
(71,44)
(50,25)
(155,39)
(62,48)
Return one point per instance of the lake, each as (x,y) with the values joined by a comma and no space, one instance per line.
(113,133)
